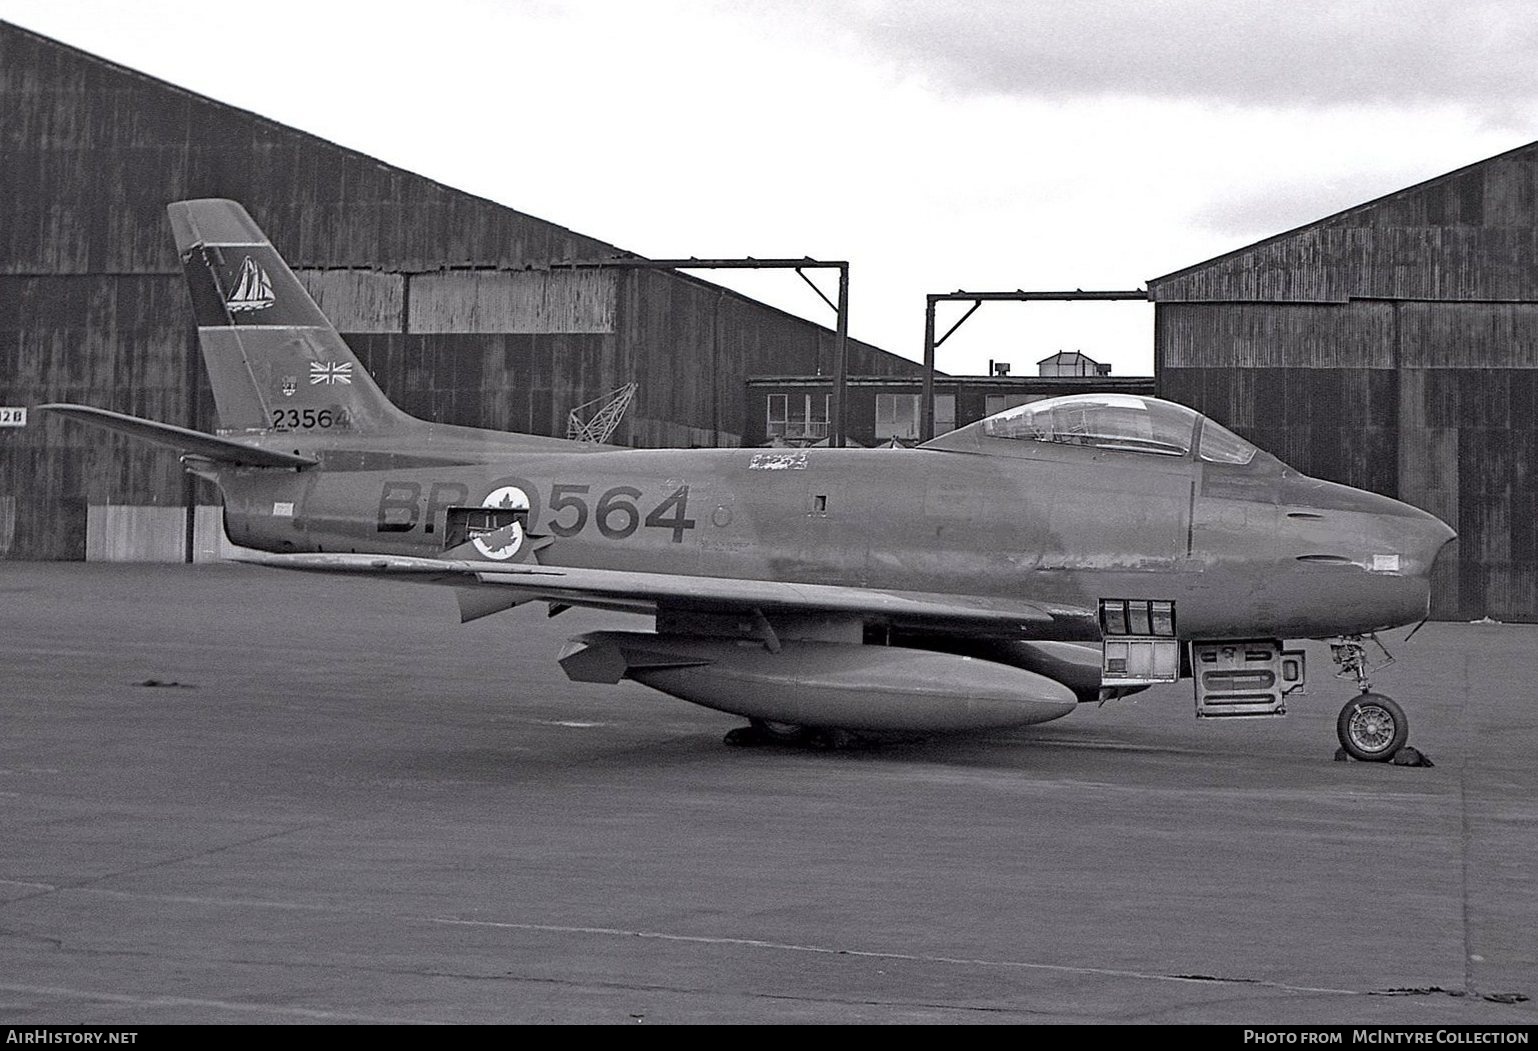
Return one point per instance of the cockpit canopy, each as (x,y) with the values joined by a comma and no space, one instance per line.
(1124,422)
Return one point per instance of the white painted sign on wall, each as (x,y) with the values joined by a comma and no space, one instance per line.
(12,416)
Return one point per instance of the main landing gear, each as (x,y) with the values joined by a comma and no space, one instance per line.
(767,731)
(1371,727)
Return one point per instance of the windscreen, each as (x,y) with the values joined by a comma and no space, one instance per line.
(1106,421)
(1221,445)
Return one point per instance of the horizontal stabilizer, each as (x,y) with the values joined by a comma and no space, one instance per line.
(197,443)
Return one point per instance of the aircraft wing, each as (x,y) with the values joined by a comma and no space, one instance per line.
(485,589)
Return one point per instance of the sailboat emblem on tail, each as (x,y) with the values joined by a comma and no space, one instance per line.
(253,289)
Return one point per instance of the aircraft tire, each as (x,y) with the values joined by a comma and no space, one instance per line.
(831,740)
(1372,727)
(777,732)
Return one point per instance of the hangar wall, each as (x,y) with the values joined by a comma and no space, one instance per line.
(885,408)
(1392,346)
(427,283)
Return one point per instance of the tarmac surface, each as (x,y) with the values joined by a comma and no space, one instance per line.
(341,805)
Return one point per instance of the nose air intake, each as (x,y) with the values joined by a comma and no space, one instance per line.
(1443,537)
(1425,538)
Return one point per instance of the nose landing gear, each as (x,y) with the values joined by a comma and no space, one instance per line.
(1371,727)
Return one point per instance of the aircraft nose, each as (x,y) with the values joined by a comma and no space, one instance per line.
(1382,534)
(1382,552)
(1436,536)
(1414,536)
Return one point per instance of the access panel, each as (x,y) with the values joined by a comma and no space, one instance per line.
(1244,677)
(1140,647)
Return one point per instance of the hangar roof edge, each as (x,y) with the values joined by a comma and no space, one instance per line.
(1365,205)
(82,55)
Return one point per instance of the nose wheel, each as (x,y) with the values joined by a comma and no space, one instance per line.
(1372,728)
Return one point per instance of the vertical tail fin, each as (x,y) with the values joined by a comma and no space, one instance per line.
(275,361)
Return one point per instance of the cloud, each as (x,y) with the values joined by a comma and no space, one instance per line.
(1257,211)
(1304,53)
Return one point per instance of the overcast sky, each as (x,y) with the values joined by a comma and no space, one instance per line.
(936,144)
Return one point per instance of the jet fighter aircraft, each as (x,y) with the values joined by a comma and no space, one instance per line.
(1069,550)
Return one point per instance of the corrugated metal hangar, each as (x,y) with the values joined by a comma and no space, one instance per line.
(884,410)
(1394,347)
(426,283)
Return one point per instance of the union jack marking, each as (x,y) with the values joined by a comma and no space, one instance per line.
(330,372)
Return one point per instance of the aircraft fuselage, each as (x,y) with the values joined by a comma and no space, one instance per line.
(1241,550)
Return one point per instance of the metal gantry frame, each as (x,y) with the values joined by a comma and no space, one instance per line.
(600,427)
(800,266)
(977,299)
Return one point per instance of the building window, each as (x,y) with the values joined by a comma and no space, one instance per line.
(1000,402)
(776,417)
(945,413)
(797,417)
(897,416)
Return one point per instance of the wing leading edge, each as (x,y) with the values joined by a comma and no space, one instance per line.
(486,589)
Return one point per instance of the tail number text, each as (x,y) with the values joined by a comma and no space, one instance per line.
(309,419)
(615,513)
